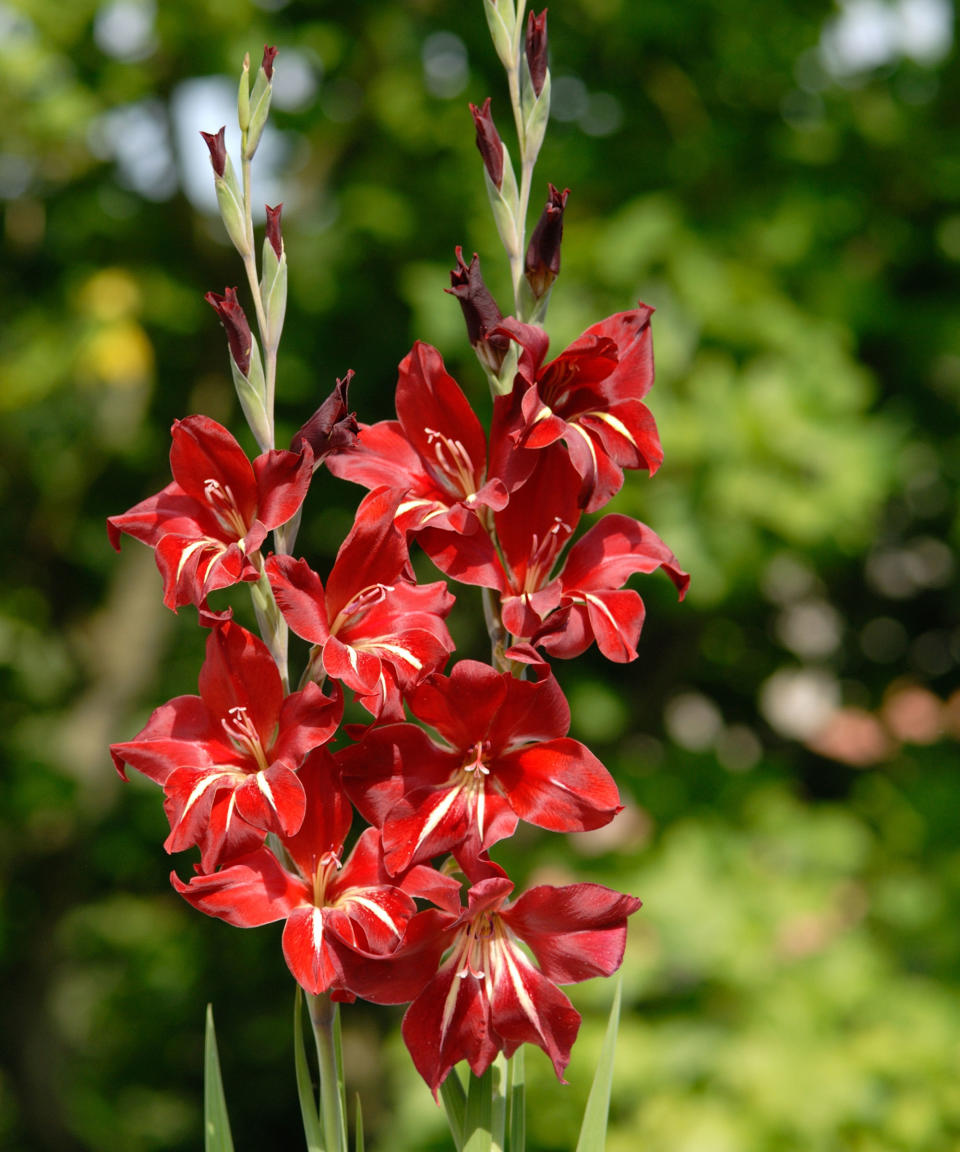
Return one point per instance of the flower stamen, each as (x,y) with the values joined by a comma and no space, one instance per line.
(224,507)
(243,735)
(456,467)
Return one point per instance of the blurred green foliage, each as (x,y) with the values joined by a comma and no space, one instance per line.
(783,184)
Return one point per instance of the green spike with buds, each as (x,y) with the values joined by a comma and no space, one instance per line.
(259,103)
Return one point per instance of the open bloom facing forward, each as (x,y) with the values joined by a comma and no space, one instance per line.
(504,756)
(487,996)
(227,759)
(590,397)
(334,909)
(561,604)
(207,524)
(434,454)
(372,627)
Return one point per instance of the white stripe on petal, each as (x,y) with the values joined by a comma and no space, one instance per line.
(600,606)
(317,927)
(436,816)
(400,653)
(187,553)
(409,505)
(267,791)
(449,1006)
(523,996)
(199,789)
(617,425)
(374,907)
(588,441)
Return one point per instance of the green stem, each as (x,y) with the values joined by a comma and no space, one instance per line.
(517,257)
(270,621)
(499,637)
(324,1017)
(516,1103)
(253,279)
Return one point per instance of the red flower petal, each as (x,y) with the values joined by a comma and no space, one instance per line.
(273,800)
(558,785)
(381,457)
(448,1022)
(202,452)
(314,965)
(461,707)
(374,554)
(282,480)
(612,550)
(307,719)
(575,932)
(239,673)
(528,1009)
(300,597)
(254,890)
(328,815)
(177,733)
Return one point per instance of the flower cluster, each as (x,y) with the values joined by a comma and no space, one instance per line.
(267,784)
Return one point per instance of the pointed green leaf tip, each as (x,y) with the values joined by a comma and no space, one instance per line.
(312,1129)
(593,1131)
(216,1122)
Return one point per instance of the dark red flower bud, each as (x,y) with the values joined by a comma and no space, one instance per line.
(543,252)
(269,55)
(536,49)
(273,229)
(218,150)
(331,428)
(489,142)
(235,324)
(480,310)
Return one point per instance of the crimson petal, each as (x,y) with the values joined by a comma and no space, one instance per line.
(254,890)
(558,785)
(576,932)
(203,451)
(273,800)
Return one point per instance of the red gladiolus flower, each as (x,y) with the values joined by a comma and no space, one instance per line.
(372,626)
(227,759)
(590,606)
(562,606)
(333,909)
(208,524)
(434,455)
(487,996)
(591,398)
(504,756)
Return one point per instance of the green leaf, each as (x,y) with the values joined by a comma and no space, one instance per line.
(358,1134)
(478,1120)
(216,1122)
(454,1101)
(312,1130)
(593,1131)
(498,1101)
(341,1078)
(516,1103)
